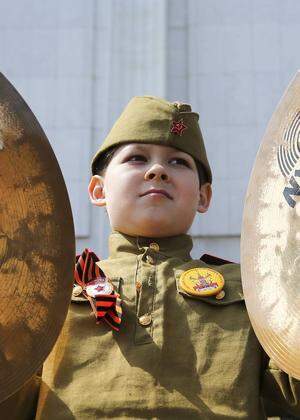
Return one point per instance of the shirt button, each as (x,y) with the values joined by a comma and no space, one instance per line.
(154,246)
(145,320)
(77,290)
(149,259)
(220,295)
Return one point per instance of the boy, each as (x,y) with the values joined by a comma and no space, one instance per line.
(185,347)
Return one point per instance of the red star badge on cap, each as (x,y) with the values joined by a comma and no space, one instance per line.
(178,127)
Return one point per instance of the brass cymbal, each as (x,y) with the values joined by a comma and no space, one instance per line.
(37,245)
(270,241)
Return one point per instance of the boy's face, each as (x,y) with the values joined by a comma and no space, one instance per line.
(150,190)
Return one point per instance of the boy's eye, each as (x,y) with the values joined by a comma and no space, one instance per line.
(181,161)
(136,158)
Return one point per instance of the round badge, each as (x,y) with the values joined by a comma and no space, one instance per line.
(201,282)
(99,286)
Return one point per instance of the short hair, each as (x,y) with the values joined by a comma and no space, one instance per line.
(103,161)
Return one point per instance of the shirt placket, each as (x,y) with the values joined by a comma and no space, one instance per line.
(146,290)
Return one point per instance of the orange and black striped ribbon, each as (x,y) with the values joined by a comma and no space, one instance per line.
(105,307)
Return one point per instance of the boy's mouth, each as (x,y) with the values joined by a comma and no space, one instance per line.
(156,191)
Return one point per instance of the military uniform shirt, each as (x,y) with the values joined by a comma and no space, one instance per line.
(175,356)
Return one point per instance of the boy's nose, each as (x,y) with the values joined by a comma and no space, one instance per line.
(157,172)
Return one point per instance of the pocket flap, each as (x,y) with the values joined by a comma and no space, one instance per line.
(232,287)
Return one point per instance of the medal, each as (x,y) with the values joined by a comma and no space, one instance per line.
(99,286)
(201,282)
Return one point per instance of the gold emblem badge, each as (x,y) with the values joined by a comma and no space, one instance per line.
(201,282)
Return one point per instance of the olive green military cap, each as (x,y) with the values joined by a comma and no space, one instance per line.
(150,119)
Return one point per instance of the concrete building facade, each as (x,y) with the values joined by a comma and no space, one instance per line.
(77,63)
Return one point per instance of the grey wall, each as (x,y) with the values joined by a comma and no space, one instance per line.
(78,62)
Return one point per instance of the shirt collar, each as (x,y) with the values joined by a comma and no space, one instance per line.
(121,245)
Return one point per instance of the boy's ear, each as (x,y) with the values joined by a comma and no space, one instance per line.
(205,194)
(96,191)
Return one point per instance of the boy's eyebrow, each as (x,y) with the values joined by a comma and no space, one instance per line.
(135,146)
(143,147)
(128,148)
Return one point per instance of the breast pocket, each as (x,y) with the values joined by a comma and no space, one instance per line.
(210,318)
